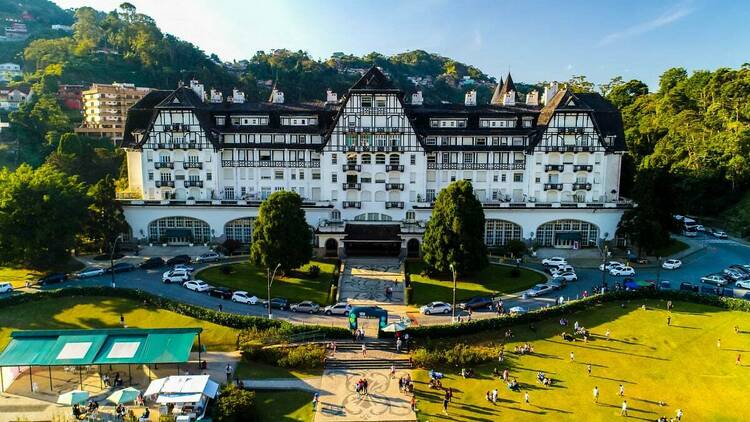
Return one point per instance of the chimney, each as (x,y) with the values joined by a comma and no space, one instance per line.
(532,98)
(471,98)
(331,97)
(549,92)
(238,97)
(277,97)
(509,98)
(216,96)
(198,89)
(416,98)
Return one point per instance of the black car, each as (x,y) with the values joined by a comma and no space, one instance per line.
(279,303)
(53,278)
(179,259)
(221,292)
(121,267)
(688,287)
(154,262)
(477,302)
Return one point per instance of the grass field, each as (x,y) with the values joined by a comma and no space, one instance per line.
(294,287)
(18,276)
(255,370)
(284,406)
(492,279)
(104,312)
(679,365)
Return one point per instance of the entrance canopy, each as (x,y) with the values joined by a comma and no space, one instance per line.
(572,236)
(368,311)
(372,239)
(99,347)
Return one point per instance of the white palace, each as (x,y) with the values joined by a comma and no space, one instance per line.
(370,164)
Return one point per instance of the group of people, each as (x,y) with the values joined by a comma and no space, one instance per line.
(359,334)
(543,379)
(361,387)
(435,378)
(112,382)
(525,349)
(405,384)
(402,341)
(80,412)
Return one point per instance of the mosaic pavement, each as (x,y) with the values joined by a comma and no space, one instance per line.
(367,280)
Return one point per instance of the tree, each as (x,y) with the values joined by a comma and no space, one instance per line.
(624,94)
(105,219)
(92,159)
(86,31)
(234,404)
(281,234)
(455,232)
(579,83)
(41,212)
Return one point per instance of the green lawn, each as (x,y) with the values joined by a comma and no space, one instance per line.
(492,279)
(282,406)
(103,312)
(296,286)
(256,370)
(679,365)
(18,275)
(674,247)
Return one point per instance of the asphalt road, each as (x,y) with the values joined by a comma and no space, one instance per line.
(714,256)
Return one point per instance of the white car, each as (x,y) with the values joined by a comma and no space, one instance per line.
(622,271)
(671,264)
(609,265)
(743,284)
(435,308)
(540,289)
(337,309)
(209,257)
(244,297)
(305,306)
(196,285)
(567,276)
(6,287)
(715,279)
(184,267)
(516,310)
(90,272)
(720,235)
(175,276)
(700,228)
(555,261)
(561,269)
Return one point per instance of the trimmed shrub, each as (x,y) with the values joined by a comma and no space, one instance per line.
(313,271)
(234,404)
(459,356)
(231,246)
(307,356)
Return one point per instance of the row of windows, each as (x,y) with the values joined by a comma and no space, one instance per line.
(267,138)
(481,140)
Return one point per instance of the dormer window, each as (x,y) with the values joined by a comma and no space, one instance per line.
(220,120)
(366,101)
(380,102)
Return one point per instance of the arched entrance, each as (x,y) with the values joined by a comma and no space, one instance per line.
(367,312)
(412,248)
(332,247)
(240,229)
(179,231)
(567,234)
(500,232)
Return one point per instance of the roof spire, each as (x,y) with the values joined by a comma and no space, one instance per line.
(497,96)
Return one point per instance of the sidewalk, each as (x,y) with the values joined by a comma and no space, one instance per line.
(305,384)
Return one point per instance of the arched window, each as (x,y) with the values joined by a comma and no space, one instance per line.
(179,230)
(240,229)
(380,159)
(564,233)
(500,232)
(335,215)
(411,215)
(366,158)
(373,216)
(394,159)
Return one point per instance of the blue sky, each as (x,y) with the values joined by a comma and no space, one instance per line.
(535,40)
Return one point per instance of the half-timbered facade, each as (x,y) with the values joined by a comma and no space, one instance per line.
(369,165)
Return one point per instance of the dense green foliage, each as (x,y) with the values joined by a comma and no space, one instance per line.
(105,218)
(281,235)
(91,159)
(307,356)
(455,232)
(234,404)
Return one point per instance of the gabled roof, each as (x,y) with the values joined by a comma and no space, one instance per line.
(182,97)
(140,115)
(503,88)
(373,80)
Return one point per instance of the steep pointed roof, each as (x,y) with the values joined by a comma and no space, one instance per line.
(503,88)
(373,80)
(497,97)
(182,97)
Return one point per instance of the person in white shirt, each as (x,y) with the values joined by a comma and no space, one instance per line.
(596,394)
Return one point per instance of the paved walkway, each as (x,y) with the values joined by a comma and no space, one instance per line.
(307,384)
(364,281)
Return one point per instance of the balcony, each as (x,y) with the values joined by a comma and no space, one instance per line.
(554,167)
(164,146)
(351,167)
(553,186)
(583,167)
(193,183)
(389,205)
(394,167)
(394,186)
(165,183)
(348,186)
(352,204)
(163,165)
(192,165)
(581,186)
(520,165)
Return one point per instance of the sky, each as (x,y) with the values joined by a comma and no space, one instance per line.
(534,39)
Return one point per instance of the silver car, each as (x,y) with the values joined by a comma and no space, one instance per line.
(305,306)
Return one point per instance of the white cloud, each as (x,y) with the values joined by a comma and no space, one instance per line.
(647,26)
(569,66)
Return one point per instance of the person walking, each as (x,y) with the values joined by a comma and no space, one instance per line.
(445,406)
(624,410)
(413,404)
(596,394)
(221,308)
(364,349)
(669,320)
(718,343)
(737,361)
(398,345)
(228,371)
(393,371)
(607,334)
(450,393)
(494,396)
(622,391)
(679,415)
(588,369)
(572,357)
(122,320)
(315,401)
(526,397)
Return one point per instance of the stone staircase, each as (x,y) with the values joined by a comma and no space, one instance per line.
(381,354)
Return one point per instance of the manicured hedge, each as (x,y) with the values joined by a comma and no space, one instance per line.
(478,325)
(221,318)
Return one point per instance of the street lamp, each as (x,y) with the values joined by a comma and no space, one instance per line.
(658,273)
(453,308)
(270,281)
(113,245)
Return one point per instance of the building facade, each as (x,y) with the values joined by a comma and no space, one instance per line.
(105,109)
(370,165)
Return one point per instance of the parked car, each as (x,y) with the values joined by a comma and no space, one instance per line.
(52,278)
(567,276)
(671,264)
(477,302)
(665,285)
(622,271)
(690,233)
(305,306)
(734,275)
(337,309)
(720,234)
(184,267)
(196,285)
(153,262)
(221,292)
(175,276)
(278,303)
(688,287)
(6,287)
(90,272)
(700,228)
(555,261)
(743,284)
(741,268)
(209,257)
(715,279)
(121,267)
(435,308)
(518,310)
(555,271)
(539,290)
(179,259)
(244,297)
(609,265)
